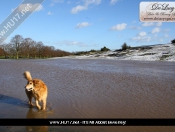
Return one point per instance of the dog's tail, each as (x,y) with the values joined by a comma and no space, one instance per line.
(27,75)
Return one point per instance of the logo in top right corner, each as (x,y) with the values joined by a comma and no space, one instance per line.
(157,11)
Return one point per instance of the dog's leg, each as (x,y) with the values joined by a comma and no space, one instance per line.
(39,107)
(30,101)
(44,104)
(29,95)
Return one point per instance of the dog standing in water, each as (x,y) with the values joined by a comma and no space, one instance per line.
(36,88)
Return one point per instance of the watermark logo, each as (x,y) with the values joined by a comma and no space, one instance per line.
(17,17)
(157,11)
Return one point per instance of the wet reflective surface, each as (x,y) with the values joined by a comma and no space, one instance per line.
(90,89)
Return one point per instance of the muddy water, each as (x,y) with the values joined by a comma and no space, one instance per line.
(90,89)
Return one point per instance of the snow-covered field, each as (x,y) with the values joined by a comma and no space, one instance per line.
(160,52)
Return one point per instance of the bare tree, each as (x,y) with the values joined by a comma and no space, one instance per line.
(2,50)
(17,42)
(39,47)
(6,50)
(48,51)
(27,45)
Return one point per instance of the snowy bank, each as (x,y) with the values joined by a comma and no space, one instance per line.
(160,52)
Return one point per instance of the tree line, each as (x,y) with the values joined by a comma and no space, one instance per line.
(173,41)
(20,47)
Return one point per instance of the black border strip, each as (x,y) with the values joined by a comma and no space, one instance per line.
(87,122)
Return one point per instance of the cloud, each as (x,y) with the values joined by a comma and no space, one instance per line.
(134,21)
(135,27)
(119,26)
(160,40)
(112,2)
(166,35)
(40,7)
(83,24)
(159,24)
(79,8)
(141,34)
(30,7)
(156,30)
(49,13)
(55,2)
(153,36)
(146,24)
(142,37)
(72,43)
(69,2)
(88,2)
(166,30)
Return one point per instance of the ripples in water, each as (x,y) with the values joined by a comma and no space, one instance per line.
(94,88)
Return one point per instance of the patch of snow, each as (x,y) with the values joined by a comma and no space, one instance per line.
(161,52)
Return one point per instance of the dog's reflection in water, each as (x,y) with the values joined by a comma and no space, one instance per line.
(33,114)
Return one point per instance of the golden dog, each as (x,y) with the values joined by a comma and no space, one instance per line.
(36,88)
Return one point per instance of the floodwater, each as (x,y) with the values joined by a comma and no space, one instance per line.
(92,88)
